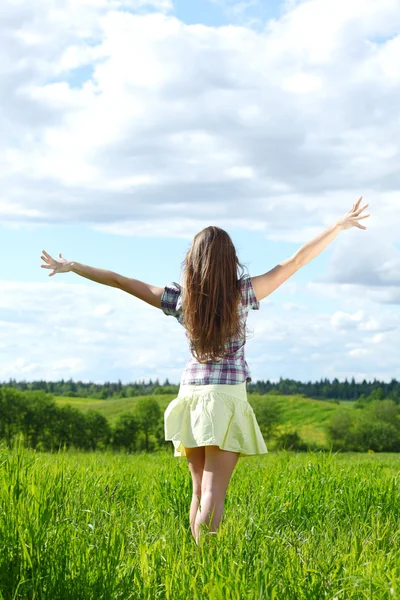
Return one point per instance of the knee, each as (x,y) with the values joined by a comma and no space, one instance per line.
(197,491)
(212,496)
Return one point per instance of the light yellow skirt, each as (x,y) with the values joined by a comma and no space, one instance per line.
(213,415)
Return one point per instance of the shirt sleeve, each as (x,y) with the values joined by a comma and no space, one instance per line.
(249,299)
(170,297)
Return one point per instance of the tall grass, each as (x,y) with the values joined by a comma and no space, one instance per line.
(76,526)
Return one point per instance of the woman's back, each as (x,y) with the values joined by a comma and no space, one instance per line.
(232,368)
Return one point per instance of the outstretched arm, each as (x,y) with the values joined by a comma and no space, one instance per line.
(268,282)
(144,291)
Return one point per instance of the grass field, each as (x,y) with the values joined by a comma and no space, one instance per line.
(304,414)
(105,526)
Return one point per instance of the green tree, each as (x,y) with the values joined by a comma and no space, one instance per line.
(148,413)
(125,432)
(98,430)
(361,401)
(268,414)
(38,415)
(378,435)
(376,427)
(377,394)
(395,397)
(339,430)
(385,410)
(70,428)
(11,410)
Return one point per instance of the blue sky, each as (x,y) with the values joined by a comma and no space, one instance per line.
(216,14)
(125,133)
(163,255)
(206,13)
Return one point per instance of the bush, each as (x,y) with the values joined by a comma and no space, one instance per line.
(339,430)
(375,427)
(361,401)
(378,436)
(290,440)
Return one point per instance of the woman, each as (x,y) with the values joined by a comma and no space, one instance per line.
(211,422)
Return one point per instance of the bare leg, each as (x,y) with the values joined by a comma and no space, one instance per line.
(218,468)
(194,510)
(195,458)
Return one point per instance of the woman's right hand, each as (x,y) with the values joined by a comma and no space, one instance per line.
(350,218)
(59,266)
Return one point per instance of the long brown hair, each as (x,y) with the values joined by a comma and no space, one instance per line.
(211,294)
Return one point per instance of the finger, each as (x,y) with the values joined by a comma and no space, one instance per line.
(358,203)
(45,253)
(361,209)
(46,267)
(359,226)
(45,259)
(359,216)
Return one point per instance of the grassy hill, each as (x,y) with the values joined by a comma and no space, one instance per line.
(111,409)
(305,415)
(308,416)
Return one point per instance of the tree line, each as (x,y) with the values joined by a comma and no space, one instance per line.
(43,425)
(34,416)
(319,390)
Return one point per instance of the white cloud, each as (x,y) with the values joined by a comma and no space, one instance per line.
(324,342)
(137,124)
(341,320)
(21,366)
(57,330)
(302,83)
(359,352)
(371,324)
(378,338)
(368,268)
(168,113)
(102,310)
(293,306)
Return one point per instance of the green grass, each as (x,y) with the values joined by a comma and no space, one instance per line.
(105,526)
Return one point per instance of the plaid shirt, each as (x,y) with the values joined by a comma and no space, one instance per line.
(231,370)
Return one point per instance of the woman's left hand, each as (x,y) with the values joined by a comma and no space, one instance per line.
(59,266)
(352,217)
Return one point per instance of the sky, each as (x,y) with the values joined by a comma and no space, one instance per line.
(130,125)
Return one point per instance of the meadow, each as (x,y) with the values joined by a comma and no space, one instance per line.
(108,526)
(308,416)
